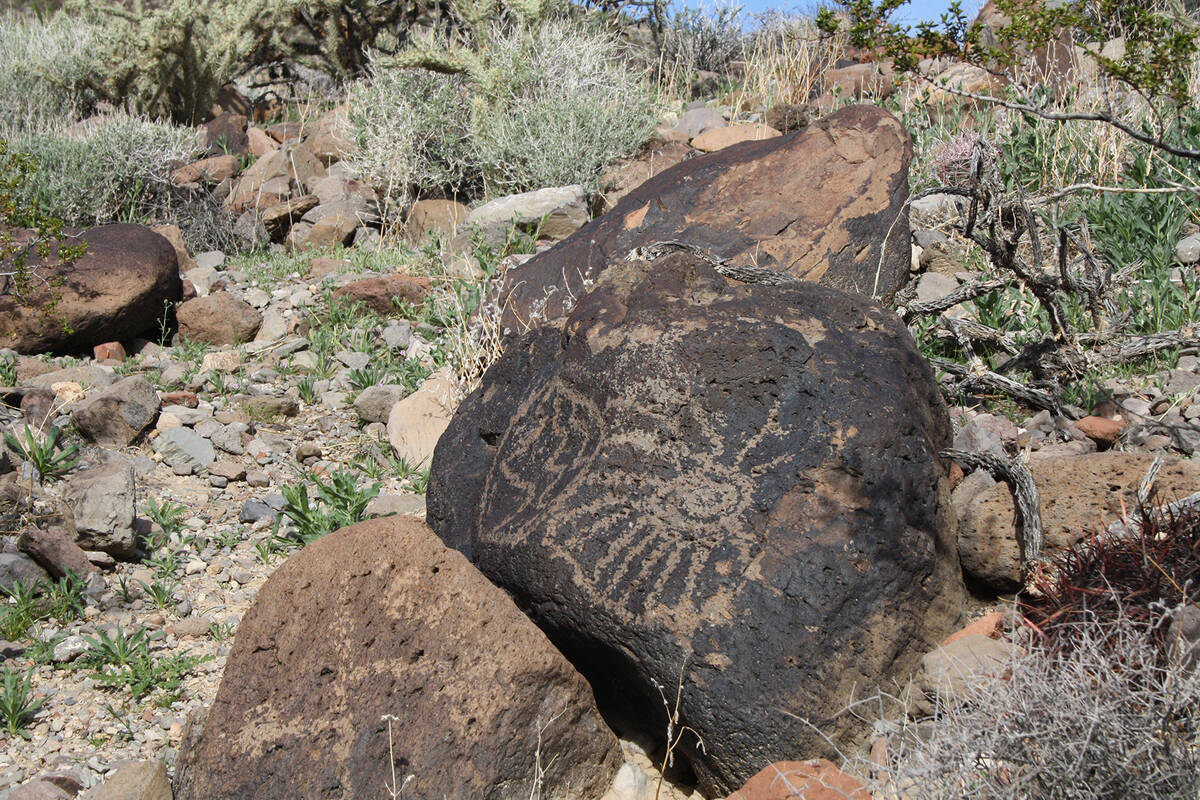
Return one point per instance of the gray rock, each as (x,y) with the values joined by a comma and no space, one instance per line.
(934,286)
(137,780)
(397,335)
(274,326)
(352,359)
(229,438)
(19,568)
(188,416)
(213,259)
(374,403)
(939,205)
(250,229)
(70,649)
(183,447)
(89,377)
(254,510)
(102,501)
(555,213)
(1187,251)
(406,505)
(986,433)
(256,297)
(696,121)
(949,671)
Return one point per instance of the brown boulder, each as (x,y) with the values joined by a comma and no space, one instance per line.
(742,479)
(825,204)
(114,292)
(434,218)
(381,294)
(219,318)
(382,619)
(659,155)
(55,550)
(224,134)
(1078,494)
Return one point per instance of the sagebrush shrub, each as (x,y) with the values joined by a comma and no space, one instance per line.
(698,39)
(558,105)
(43,72)
(117,168)
(568,107)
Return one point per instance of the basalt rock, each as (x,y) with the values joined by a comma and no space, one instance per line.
(824,204)
(739,480)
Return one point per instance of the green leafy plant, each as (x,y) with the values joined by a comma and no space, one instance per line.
(166,563)
(125,661)
(20,612)
(338,503)
(18,705)
(43,453)
(306,388)
(168,515)
(64,597)
(160,592)
(221,632)
(8,369)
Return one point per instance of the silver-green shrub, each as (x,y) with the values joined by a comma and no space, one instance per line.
(413,130)
(43,72)
(532,106)
(108,169)
(566,108)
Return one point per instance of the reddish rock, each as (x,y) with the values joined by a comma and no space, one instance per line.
(381,294)
(277,219)
(817,779)
(861,81)
(1103,431)
(260,143)
(114,292)
(109,351)
(660,155)
(282,131)
(382,619)
(825,204)
(175,236)
(220,319)
(259,201)
(1078,494)
(55,550)
(990,625)
(320,267)
(213,169)
(224,134)
(187,399)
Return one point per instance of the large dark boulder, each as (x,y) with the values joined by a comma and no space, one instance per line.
(115,291)
(382,619)
(824,204)
(740,479)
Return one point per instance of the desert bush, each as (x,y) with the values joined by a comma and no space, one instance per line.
(569,109)
(43,70)
(170,59)
(701,39)
(543,107)
(117,168)
(413,131)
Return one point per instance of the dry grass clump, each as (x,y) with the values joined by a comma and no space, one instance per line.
(1060,725)
(786,60)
